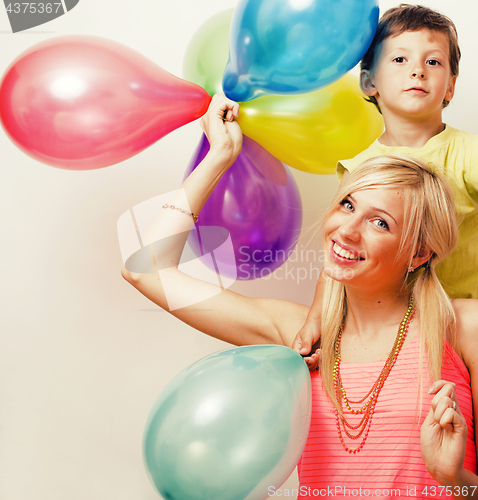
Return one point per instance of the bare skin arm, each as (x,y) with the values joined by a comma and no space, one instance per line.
(223,314)
(444,431)
(309,334)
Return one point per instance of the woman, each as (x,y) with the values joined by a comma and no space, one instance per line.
(390,217)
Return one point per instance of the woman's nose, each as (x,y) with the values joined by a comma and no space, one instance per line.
(350,230)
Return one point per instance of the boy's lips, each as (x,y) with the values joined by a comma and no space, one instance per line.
(417,90)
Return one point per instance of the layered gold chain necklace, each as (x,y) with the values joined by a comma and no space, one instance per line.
(366,408)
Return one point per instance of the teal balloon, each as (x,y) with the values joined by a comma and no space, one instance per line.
(295,46)
(230,426)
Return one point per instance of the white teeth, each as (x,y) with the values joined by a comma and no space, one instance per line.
(344,253)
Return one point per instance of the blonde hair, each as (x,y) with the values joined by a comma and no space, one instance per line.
(429,220)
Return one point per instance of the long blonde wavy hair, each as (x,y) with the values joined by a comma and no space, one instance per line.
(429,220)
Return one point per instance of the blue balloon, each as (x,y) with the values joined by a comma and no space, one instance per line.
(295,46)
(230,426)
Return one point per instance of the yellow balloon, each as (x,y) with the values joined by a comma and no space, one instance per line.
(311,132)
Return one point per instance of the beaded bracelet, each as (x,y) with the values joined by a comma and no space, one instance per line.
(173,207)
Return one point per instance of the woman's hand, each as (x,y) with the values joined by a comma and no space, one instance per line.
(304,344)
(223,133)
(443,435)
(313,359)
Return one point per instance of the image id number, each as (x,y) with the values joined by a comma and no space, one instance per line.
(431,491)
(33,8)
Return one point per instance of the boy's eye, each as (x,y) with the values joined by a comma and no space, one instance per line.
(433,62)
(399,59)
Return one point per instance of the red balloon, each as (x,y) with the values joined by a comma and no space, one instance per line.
(84,102)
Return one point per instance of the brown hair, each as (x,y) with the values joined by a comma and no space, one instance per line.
(412,18)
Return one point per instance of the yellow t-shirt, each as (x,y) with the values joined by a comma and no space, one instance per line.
(455,154)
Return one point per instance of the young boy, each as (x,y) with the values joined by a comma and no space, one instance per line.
(409,74)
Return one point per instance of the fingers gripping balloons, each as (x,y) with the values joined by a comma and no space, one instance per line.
(295,46)
(230,426)
(83,102)
(257,200)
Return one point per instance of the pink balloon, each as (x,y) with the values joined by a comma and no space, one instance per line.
(84,102)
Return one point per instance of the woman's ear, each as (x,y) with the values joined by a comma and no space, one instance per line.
(366,83)
(424,254)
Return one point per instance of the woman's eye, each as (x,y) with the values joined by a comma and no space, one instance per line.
(347,205)
(381,224)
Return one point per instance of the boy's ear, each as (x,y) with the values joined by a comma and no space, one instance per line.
(451,89)
(366,83)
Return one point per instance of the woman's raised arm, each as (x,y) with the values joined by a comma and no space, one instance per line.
(220,313)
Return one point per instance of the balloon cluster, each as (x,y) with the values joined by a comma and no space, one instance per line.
(296,49)
(310,115)
(83,102)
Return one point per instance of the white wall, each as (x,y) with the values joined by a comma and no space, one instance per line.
(82,354)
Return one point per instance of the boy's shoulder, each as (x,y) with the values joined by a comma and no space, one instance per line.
(375,149)
(458,145)
(440,149)
(457,133)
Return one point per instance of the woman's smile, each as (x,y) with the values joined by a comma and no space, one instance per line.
(341,252)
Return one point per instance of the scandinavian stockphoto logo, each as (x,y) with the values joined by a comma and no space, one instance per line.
(25,15)
(140,241)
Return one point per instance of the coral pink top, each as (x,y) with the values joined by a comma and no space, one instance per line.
(391,457)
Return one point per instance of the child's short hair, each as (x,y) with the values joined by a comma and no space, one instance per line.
(412,18)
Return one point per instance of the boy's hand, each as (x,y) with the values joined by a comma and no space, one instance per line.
(304,343)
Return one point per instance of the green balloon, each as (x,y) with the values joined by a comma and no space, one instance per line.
(208,53)
(230,426)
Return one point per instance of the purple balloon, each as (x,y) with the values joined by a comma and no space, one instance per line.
(258,202)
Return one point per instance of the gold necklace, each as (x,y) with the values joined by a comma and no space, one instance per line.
(365,408)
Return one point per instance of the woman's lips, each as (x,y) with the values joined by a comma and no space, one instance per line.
(344,255)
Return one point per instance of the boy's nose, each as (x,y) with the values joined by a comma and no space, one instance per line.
(418,71)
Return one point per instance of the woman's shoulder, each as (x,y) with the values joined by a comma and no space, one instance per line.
(466,311)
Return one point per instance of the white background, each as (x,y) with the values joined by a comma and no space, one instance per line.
(83,355)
